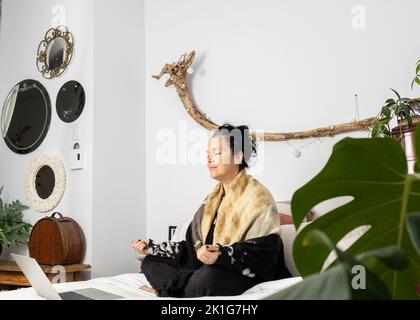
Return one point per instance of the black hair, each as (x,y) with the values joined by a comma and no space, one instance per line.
(239,140)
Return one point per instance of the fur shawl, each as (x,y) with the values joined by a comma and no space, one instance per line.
(246,211)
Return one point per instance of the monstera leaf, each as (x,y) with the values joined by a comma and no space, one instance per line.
(350,278)
(385,197)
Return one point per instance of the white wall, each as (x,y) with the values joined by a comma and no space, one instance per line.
(107,197)
(24,23)
(118,133)
(274,65)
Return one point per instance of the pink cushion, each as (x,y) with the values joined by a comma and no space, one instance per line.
(285,219)
(285,213)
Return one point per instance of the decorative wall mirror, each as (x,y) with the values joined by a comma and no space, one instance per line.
(55,52)
(45,183)
(26,116)
(70,101)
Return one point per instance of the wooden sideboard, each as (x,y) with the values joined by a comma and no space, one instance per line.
(10,273)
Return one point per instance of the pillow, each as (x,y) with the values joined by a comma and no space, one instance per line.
(284,209)
(288,235)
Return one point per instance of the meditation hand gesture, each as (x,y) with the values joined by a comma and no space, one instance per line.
(208,254)
(140,246)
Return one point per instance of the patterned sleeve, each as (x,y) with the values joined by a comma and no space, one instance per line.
(167,249)
(254,257)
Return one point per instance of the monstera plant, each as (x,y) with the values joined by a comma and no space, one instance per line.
(386,198)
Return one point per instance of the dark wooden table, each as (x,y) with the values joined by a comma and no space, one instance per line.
(10,273)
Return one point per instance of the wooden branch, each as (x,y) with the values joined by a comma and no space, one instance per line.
(178,77)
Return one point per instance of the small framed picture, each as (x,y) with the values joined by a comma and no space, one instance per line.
(171,232)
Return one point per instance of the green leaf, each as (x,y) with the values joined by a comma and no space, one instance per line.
(417,80)
(409,118)
(376,130)
(418,68)
(330,285)
(374,172)
(413,227)
(337,282)
(398,95)
(385,120)
(392,256)
(386,112)
(13,229)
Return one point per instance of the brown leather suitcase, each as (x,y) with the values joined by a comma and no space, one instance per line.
(57,241)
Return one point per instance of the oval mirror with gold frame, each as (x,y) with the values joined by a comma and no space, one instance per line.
(55,52)
(45,183)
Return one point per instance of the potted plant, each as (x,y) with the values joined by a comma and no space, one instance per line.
(13,230)
(384,263)
(405,110)
(407,113)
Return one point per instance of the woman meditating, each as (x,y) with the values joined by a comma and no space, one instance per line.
(233,241)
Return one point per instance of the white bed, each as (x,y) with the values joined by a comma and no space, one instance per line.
(127,285)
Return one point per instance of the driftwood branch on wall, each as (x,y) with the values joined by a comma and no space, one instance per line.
(178,73)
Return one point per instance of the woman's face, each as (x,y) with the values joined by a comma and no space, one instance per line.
(221,162)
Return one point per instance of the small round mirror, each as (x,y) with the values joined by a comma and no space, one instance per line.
(70,101)
(45,182)
(26,116)
(56,53)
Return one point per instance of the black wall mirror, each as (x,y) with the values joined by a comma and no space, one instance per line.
(70,101)
(45,182)
(26,116)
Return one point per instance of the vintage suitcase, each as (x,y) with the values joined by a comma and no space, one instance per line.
(57,241)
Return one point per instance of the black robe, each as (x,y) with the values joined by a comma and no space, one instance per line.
(259,259)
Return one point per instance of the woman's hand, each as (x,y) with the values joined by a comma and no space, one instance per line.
(140,246)
(208,254)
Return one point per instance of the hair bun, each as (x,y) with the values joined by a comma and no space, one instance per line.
(245,143)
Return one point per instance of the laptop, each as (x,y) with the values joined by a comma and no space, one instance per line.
(45,289)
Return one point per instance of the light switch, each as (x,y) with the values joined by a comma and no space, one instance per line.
(76,161)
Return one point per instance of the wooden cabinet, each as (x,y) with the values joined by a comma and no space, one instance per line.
(10,273)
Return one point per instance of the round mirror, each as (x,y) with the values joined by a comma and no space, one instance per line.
(55,52)
(26,116)
(45,182)
(70,101)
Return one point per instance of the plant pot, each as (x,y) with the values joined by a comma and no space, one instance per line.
(14,248)
(405,135)
(415,107)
